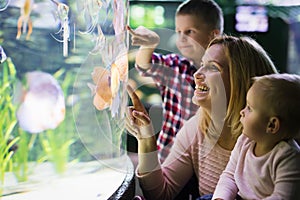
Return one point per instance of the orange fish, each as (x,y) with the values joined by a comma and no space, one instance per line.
(101,77)
(42,105)
(25,20)
(106,86)
(122,65)
(101,88)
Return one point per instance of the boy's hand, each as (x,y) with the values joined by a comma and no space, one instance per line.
(143,37)
(138,122)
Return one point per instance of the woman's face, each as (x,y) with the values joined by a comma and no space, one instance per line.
(213,80)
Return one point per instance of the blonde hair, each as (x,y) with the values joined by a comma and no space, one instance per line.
(247,59)
(282,94)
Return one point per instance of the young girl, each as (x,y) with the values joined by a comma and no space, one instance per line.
(265,162)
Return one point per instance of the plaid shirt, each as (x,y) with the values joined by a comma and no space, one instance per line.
(174,77)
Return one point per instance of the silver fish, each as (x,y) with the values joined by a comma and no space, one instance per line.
(62,13)
(2,55)
(43,104)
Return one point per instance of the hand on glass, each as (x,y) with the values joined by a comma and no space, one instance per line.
(138,122)
(144,37)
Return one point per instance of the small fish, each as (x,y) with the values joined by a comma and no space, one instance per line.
(122,65)
(90,9)
(101,88)
(43,105)
(100,41)
(25,20)
(2,55)
(3,4)
(119,20)
(106,84)
(101,78)
(63,16)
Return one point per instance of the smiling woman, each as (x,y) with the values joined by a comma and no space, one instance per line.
(204,143)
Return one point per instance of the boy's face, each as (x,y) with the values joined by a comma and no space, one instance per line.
(193,36)
(254,117)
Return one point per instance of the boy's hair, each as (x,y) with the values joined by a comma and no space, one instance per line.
(282,95)
(246,59)
(207,10)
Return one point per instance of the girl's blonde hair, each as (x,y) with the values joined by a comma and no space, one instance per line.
(247,59)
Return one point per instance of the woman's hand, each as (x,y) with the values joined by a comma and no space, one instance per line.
(138,122)
(143,37)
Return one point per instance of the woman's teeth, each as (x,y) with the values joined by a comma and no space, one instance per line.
(202,88)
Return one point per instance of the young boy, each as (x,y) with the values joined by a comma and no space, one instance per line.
(264,163)
(197,22)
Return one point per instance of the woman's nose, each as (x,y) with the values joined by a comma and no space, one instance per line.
(199,74)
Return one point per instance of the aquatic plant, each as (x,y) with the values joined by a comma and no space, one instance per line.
(51,145)
(7,118)
(56,143)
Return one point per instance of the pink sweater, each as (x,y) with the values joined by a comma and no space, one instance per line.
(192,152)
(275,175)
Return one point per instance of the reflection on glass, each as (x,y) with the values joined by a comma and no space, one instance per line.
(63,67)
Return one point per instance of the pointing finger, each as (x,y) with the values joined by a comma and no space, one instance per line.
(135,100)
(131,31)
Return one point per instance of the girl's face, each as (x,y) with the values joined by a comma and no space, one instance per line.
(213,80)
(193,36)
(254,116)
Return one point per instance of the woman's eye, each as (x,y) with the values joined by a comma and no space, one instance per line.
(209,68)
(212,68)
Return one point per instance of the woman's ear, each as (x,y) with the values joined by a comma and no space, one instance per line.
(273,125)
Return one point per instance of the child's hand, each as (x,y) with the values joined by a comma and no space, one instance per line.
(144,37)
(138,122)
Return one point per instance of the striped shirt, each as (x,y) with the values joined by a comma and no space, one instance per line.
(173,76)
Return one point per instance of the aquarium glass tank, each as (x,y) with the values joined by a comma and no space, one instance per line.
(63,71)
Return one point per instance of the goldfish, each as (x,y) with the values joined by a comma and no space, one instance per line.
(2,55)
(4,4)
(122,65)
(106,84)
(101,77)
(63,16)
(25,20)
(42,103)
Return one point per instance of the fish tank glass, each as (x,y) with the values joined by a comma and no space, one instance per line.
(63,71)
